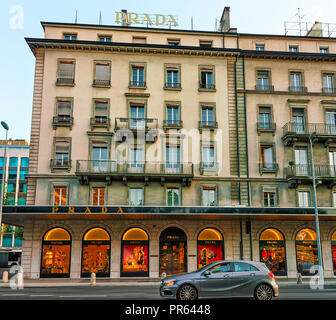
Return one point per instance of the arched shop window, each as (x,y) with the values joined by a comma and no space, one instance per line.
(272,251)
(56,249)
(96,248)
(210,247)
(333,248)
(173,251)
(135,253)
(306,251)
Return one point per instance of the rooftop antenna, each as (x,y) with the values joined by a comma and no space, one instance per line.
(76,17)
(192,23)
(100,18)
(298,14)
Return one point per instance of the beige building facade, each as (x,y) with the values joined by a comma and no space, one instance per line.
(160,150)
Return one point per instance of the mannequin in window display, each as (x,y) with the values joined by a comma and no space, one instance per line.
(140,259)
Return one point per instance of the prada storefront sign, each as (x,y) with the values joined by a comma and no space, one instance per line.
(127,18)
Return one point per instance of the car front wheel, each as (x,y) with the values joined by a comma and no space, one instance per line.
(187,292)
(263,292)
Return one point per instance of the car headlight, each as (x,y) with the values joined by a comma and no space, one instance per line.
(169,283)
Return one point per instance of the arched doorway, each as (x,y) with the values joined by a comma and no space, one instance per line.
(56,251)
(135,253)
(173,251)
(333,251)
(96,248)
(210,247)
(306,251)
(272,251)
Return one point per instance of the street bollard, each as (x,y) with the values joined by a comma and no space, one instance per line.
(299,278)
(20,280)
(93,279)
(5,277)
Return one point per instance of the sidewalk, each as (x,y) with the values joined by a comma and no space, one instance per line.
(136,282)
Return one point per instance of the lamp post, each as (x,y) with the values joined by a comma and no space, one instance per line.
(320,265)
(5,126)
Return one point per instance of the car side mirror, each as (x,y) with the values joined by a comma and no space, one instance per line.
(207,273)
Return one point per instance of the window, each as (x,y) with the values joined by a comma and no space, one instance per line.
(174,42)
(138,76)
(137,158)
(102,74)
(172,115)
(139,40)
(13,162)
(66,72)
(208,116)
(221,268)
(105,38)
(11,187)
(173,158)
(332,162)
(136,196)
(98,196)
(173,196)
(205,43)
(293,48)
(60,195)
(296,82)
(209,196)
(64,110)
(100,112)
(23,174)
(62,153)
(207,78)
(304,198)
(265,118)
(298,119)
(334,199)
(260,46)
(263,80)
(242,266)
(172,76)
(21,201)
(23,187)
(137,120)
(324,49)
(270,198)
(331,121)
(328,83)
(208,156)
(25,162)
(12,174)
(267,160)
(70,36)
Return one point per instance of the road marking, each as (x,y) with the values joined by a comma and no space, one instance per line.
(12,294)
(85,296)
(41,295)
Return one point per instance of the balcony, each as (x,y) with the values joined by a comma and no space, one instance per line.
(297,89)
(60,164)
(137,85)
(206,87)
(172,124)
(101,83)
(136,171)
(266,127)
(172,86)
(62,121)
(100,122)
(268,168)
(302,173)
(265,87)
(293,132)
(65,81)
(145,128)
(329,90)
(209,168)
(207,125)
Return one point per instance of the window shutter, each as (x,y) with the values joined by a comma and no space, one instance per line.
(66,69)
(100,108)
(64,108)
(102,71)
(62,147)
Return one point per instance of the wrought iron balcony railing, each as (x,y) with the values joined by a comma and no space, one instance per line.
(100,121)
(62,164)
(321,129)
(203,85)
(207,124)
(65,80)
(62,121)
(101,83)
(305,170)
(271,167)
(265,87)
(136,124)
(299,89)
(172,124)
(328,90)
(266,127)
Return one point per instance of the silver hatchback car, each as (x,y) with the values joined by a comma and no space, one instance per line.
(222,279)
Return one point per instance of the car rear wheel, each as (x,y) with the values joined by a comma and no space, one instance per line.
(187,292)
(263,292)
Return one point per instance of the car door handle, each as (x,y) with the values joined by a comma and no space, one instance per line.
(252,274)
(226,276)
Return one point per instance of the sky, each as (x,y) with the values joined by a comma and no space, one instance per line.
(21,18)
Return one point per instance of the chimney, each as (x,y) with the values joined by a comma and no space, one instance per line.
(316,30)
(224,25)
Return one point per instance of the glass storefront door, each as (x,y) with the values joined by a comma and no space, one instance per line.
(173,251)
(56,249)
(96,253)
(272,251)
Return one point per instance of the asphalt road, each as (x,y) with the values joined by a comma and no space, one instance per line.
(139,293)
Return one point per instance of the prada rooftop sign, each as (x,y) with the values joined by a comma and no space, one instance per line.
(127,18)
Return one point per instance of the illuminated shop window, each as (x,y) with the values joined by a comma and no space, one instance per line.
(333,248)
(210,247)
(306,252)
(135,253)
(96,253)
(56,248)
(272,251)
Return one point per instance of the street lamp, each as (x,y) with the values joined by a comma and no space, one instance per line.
(312,136)
(5,126)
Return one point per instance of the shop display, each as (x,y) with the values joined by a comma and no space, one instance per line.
(173,257)
(272,253)
(135,258)
(334,256)
(207,253)
(55,259)
(307,257)
(96,258)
